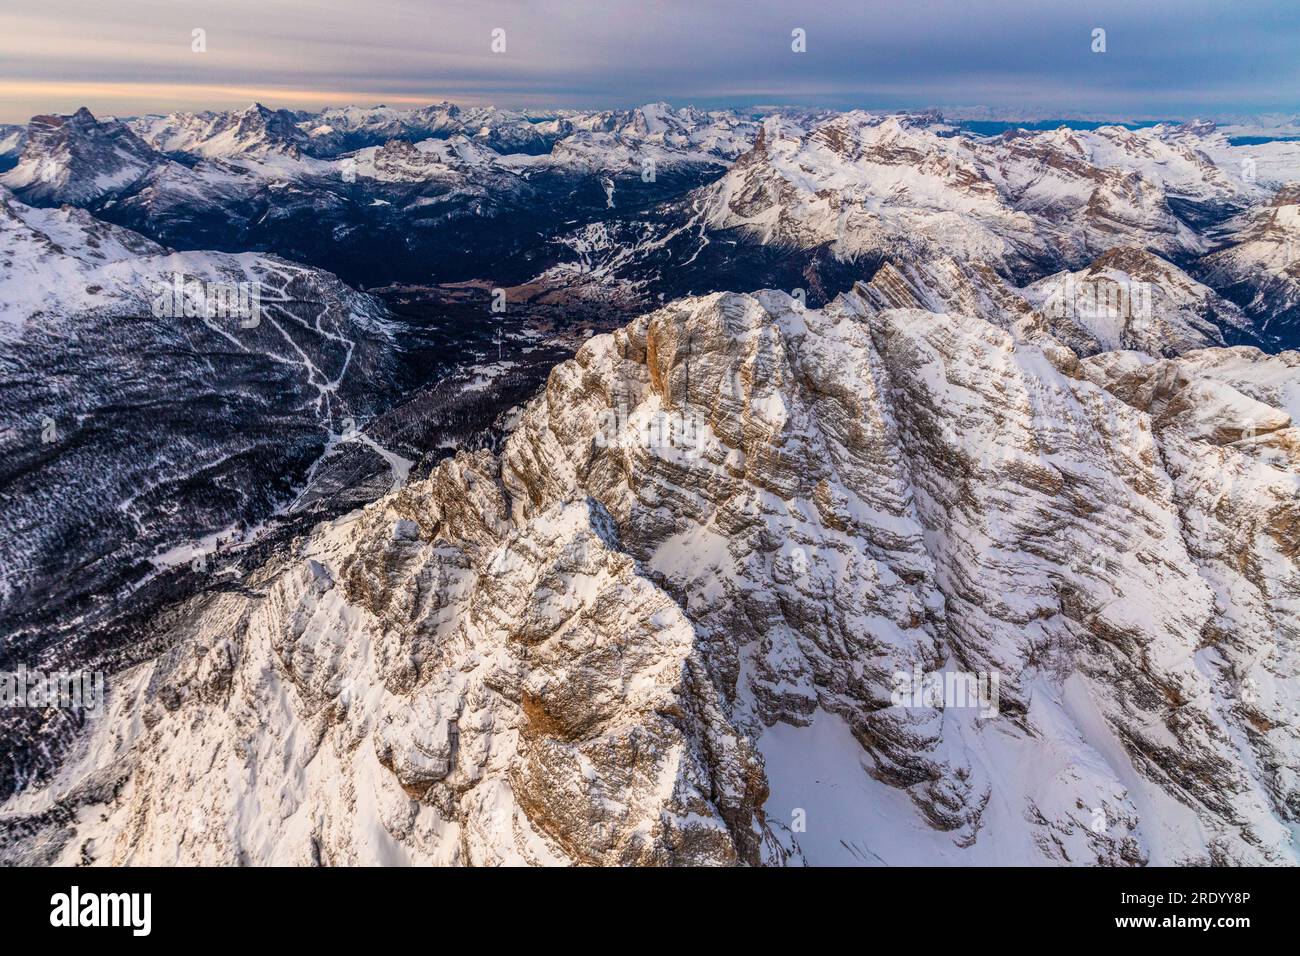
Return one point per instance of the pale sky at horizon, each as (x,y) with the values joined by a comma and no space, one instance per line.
(1164,58)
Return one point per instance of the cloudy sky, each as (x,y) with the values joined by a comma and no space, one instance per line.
(1024,58)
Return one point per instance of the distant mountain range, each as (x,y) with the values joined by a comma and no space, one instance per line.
(454,485)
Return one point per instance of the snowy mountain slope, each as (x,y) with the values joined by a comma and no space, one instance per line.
(1260,266)
(1125,299)
(1192,162)
(510,131)
(945,285)
(665,620)
(232,134)
(983,215)
(250,183)
(869,184)
(720,133)
(12,139)
(483,191)
(78,159)
(863,184)
(640,143)
(225,134)
(680,599)
(132,422)
(1131,299)
(1258,170)
(46,255)
(686,134)
(264,179)
(338,130)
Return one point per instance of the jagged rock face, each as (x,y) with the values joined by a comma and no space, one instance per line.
(1225,418)
(334,131)
(585,726)
(1130,299)
(1125,299)
(1260,268)
(945,285)
(78,159)
(872,186)
(702,558)
(225,134)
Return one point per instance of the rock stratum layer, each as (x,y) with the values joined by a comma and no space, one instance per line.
(664,624)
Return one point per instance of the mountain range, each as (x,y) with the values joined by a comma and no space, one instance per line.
(583,488)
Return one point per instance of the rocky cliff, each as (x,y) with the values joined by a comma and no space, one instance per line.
(718,601)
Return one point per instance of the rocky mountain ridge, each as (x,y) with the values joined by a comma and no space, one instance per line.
(698,567)
(975,544)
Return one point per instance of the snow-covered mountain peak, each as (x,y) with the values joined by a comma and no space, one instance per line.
(248,133)
(978,542)
(864,185)
(701,562)
(79,159)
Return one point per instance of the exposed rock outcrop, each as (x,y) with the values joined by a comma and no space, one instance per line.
(700,565)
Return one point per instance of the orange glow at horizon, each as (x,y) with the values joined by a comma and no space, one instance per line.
(145,97)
